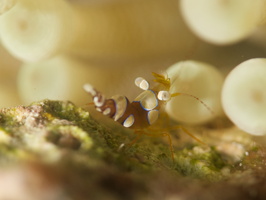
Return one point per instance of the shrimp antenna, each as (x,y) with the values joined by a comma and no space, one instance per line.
(90,104)
(190,95)
(87,105)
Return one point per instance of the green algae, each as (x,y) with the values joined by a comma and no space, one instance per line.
(88,152)
(49,128)
(200,162)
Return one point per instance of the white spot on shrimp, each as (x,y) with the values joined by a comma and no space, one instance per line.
(99,109)
(142,83)
(129,121)
(121,106)
(153,116)
(148,100)
(98,102)
(107,111)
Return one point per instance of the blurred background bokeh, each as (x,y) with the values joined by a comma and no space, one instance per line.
(53,52)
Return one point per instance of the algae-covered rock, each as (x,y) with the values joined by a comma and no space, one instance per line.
(77,157)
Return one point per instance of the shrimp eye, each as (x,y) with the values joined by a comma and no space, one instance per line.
(164,95)
(142,83)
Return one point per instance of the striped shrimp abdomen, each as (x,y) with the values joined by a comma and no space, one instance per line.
(135,115)
(105,106)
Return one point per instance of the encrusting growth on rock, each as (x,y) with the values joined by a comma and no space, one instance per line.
(64,141)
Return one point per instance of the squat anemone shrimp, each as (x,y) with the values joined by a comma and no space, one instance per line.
(144,110)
